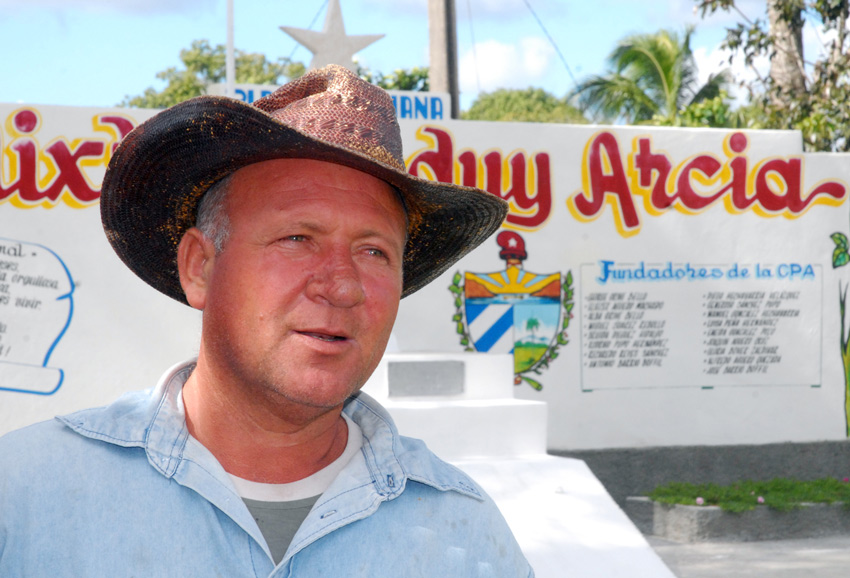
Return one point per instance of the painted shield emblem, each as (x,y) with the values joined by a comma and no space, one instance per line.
(514,311)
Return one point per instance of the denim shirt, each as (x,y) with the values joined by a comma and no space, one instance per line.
(125,491)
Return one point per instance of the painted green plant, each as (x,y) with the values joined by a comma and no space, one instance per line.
(840,257)
(460,326)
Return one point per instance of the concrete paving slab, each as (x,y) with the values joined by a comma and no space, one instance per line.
(564,520)
(826,557)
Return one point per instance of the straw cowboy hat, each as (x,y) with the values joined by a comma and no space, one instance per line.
(161,170)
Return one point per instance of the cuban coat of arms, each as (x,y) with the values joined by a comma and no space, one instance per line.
(514,311)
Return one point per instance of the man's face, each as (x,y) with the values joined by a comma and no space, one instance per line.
(301,301)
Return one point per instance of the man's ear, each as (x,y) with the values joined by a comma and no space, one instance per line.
(195,260)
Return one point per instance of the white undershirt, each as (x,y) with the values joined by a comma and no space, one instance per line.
(313,485)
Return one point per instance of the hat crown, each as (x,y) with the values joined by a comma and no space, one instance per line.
(334,105)
(162,169)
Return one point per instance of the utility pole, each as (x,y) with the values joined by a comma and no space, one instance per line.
(442,72)
(230,61)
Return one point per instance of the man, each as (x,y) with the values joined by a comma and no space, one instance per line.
(294,227)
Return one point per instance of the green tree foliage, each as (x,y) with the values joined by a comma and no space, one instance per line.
(415,78)
(653,79)
(712,112)
(529,105)
(812,96)
(205,65)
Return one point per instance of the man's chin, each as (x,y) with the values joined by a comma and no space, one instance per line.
(321,396)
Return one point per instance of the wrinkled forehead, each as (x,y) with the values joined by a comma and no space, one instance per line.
(303,178)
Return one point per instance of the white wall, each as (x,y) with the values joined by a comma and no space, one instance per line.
(122,334)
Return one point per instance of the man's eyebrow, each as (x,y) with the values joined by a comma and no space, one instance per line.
(374,233)
(318,227)
(291,226)
(304,224)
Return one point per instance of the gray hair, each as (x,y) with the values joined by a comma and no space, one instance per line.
(212,219)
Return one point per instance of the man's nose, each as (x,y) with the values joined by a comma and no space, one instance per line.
(336,280)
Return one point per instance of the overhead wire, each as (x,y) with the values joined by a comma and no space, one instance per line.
(316,17)
(551,41)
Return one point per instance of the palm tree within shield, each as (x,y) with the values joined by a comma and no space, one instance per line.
(513,311)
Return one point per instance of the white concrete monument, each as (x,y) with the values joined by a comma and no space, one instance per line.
(463,406)
(332,45)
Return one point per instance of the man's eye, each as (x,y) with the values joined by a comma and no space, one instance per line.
(375,252)
(296,238)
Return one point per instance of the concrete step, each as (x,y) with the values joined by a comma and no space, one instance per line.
(461,404)
(442,375)
(478,428)
(711,524)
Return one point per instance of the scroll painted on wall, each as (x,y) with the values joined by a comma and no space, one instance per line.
(36,307)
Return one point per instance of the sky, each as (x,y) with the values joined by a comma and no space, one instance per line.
(97,52)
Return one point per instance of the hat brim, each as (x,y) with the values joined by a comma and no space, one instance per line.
(160,171)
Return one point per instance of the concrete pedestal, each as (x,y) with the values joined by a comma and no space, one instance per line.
(561,515)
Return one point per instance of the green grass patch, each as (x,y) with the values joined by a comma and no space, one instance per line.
(527,354)
(781,494)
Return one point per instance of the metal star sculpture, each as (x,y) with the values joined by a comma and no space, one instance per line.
(332,45)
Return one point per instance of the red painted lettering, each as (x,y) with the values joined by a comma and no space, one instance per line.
(439,161)
(517,191)
(469,169)
(647,162)
(70,176)
(530,198)
(122,125)
(606,177)
(25,185)
(774,187)
(690,199)
(63,162)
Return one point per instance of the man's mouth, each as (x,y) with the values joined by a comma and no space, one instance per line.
(323,336)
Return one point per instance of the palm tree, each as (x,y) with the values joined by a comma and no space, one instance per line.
(653,79)
(532,325)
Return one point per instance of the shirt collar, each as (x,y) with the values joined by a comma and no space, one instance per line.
(156,421)
(393,459)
